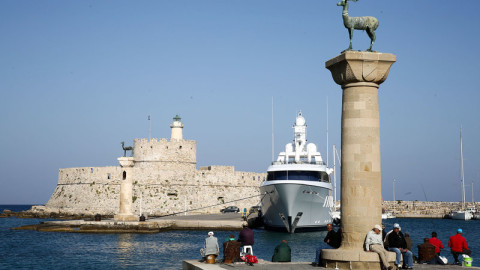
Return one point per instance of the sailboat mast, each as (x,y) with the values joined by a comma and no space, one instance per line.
(461,170)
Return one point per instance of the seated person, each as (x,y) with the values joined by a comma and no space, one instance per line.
(426,252)
(374,242)
(332,240)
(436,242)
(282,253)
(246,235)
(396,243)
(458,245)
(210,246)
(231,250)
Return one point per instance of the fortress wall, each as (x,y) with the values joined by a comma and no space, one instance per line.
(86,198)
(162,200)
(158,191)
(164,150)
(88,175)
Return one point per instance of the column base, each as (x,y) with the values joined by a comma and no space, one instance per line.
(353,259)
(123,217)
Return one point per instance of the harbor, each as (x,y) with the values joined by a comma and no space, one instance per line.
(170,248)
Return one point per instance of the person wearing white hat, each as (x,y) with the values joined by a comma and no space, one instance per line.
(374,242)
(397,244)
(210,246)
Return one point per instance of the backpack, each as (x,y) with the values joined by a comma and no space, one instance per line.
(250,259)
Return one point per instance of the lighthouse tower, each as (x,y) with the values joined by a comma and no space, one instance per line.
(177,128)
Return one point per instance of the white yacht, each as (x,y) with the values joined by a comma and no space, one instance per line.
(297,191)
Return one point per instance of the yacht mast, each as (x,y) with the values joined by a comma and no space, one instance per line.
(334,179)
(273,137)
(327,133)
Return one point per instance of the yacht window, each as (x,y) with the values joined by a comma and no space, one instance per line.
(298,175)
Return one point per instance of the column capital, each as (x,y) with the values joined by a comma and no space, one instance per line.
(126,161)
(355,67)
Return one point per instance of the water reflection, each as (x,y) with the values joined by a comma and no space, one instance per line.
(125,249)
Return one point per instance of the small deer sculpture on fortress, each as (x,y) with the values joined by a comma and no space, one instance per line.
(367,23)
(125,149)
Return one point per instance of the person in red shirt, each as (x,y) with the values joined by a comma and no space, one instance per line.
(458,245)
(436,242)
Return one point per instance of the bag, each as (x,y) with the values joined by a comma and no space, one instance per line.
(442,260)
(250,259)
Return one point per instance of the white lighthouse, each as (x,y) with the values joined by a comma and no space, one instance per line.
(177,127)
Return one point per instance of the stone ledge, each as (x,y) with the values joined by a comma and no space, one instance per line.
(358,259)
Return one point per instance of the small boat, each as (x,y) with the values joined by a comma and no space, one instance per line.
(298,190)
(387,215)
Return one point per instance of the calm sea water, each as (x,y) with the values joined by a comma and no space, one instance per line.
(166,250)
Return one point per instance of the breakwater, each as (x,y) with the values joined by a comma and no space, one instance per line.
(424,209)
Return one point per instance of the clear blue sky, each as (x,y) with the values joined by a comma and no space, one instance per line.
(79,77)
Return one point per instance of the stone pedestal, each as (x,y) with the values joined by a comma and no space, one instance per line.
(359,74)
(126,190)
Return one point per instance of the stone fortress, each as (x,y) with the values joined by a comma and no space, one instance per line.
(165,181)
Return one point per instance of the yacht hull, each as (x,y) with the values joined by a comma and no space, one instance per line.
(462,215)
(296,205)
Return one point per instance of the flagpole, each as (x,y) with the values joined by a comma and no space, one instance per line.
(149,128)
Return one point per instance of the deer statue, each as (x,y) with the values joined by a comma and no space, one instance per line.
(125,149)
(367,23)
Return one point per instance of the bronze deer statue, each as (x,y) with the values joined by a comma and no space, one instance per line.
(367,23)
(125,149)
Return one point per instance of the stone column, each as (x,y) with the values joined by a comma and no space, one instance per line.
(359,74)
(126,190)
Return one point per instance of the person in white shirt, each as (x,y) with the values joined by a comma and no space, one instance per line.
(374,243)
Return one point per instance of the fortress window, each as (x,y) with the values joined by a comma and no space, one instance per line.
(109,175)
(91,170)
(124,175)
(180,147)
(254,178)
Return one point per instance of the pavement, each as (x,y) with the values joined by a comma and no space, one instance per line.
(265,265)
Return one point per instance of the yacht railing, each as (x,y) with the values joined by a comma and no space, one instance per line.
(300,162)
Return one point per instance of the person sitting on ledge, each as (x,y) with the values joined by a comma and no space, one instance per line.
(282,253)
(397,244)
(458,245)
(231,250)
(333,240)
(436,242)
(374,242)
(246,235)
(426,252)
(210,246)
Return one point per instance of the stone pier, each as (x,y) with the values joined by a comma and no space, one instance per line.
(126,190)
(359,74)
